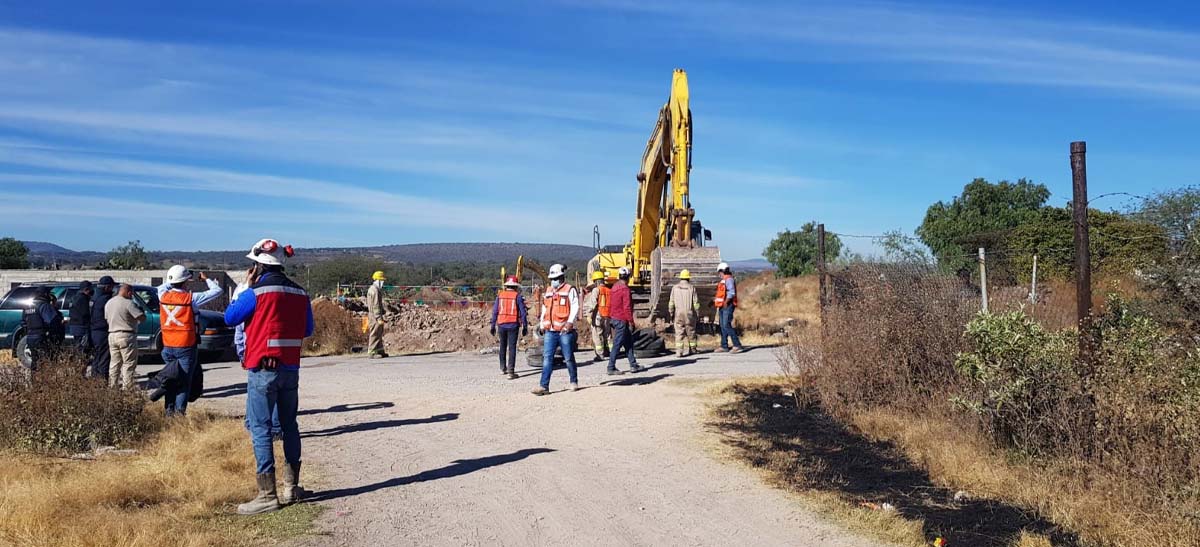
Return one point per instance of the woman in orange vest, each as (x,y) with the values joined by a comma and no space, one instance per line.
(508,314)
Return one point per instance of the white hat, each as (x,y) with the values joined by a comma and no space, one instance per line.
(178,274)
(557,271)
(623,272)
(269,252)
(722,266)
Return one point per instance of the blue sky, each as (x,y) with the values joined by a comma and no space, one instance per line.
(211,125)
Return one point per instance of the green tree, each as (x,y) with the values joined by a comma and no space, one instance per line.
(14,255)
(1177,212)
(1118,243)
(900,248)
(795,253)
(981,217)
(130,256)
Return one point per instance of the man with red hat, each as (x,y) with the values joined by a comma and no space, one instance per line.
(508,314)
(278,317)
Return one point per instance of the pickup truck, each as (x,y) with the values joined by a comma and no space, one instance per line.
(215,336)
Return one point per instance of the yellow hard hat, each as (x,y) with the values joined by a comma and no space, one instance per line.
(597,275)
(378,276)
(684,274)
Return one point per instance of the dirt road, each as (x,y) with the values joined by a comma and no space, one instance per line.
(442,450)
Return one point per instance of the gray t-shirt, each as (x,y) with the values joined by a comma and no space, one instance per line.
(123,315)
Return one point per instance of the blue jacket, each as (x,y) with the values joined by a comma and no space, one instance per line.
(520,310)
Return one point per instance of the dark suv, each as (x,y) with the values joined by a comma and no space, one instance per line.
(215,336)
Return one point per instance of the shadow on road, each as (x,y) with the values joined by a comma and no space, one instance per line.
(353,407)
(371,426)
(455,469)
(636,380)
(820,453)
(231,390)
(673,363)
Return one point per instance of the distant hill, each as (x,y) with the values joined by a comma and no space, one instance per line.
(44,254)
(752,265)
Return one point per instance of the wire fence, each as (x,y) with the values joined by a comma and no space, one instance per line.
(448,297)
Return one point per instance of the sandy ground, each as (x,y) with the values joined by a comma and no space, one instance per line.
(442,450)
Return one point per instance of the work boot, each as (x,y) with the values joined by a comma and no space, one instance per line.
(291,492)
(512,375)
(679,353)
(598,358)
(738,349)
(376,356)
(636,369)
(539,391)
(720,350)
(615,372)
(266,501)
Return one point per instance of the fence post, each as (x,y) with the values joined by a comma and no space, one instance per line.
(983,277)
(1033,283)
(1083,255)
(821,269)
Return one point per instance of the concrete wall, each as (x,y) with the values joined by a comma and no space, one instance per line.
(12,278)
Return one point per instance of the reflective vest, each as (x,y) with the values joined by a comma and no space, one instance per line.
(506,307)
(277,327)
(719,301)
(556,308)
(177,319)
(602,300)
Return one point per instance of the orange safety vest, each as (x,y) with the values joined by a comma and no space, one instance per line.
(719,301)
(177,319)
(602,300)
(556,308)
(506,307)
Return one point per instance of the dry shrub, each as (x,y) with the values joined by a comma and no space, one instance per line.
(58,411)
(768,304)
(336,330)
(174,491)
(892,335)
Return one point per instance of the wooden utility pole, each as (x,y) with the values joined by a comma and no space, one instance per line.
(1083,255)
(983,277)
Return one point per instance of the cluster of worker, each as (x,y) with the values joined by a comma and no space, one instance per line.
(273,315)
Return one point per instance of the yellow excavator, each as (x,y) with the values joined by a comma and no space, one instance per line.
(667,238)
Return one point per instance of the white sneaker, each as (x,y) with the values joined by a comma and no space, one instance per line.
(574,387)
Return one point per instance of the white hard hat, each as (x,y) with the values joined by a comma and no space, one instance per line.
(623,272)
(722,266)
(178,274)
(557,271)
(269,252)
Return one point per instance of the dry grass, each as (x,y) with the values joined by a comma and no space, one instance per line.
(179,489)
(765,302)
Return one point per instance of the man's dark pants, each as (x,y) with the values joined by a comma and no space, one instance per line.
(509,335)
(100,356)
(622,338)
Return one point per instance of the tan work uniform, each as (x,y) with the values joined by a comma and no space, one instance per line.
(374,319)
(123,317)
(684,308)
(599,325)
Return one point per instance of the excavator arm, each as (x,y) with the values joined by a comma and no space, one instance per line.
(664,210)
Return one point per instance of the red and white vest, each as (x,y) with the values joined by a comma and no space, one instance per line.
(278,325)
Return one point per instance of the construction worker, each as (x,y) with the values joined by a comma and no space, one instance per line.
(726,302)
(595,311)
(508,317)
(278,317)
(560,309)
(123,317)
(177,320)
(684,307)
(621,319)
(44,328)
(79,320)
(99,327)
(375,316)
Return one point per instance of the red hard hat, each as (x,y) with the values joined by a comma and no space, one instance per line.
(512,281)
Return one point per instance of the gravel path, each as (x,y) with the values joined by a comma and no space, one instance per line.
(442,450)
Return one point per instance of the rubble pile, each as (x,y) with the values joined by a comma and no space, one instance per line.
(412,328)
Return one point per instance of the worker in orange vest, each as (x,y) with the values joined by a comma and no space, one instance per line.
(595,310)
(560,309)
(726,302)
(509,319)
(177,320)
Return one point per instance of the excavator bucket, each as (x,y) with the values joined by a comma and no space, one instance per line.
(667,262)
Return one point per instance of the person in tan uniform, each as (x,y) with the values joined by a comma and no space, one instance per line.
(123,317)
(595,310)
(684,307)
(375,317)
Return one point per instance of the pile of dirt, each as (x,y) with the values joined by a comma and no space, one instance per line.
(413,328)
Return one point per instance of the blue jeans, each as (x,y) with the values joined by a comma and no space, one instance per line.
(728,333)
(622,338)
(176,399)
(554,340)
(269,392)
(509,334)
